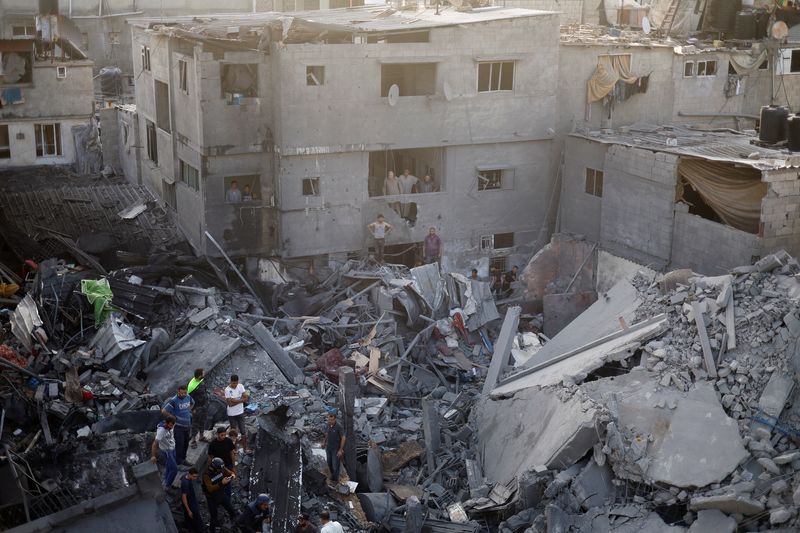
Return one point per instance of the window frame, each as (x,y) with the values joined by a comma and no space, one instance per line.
(146,58)
(183,76)
(490,79)
(190,179)
(43,148)
(706,63)
(5,149)
(151,138)
(315,180)
(693,66)
(592,174)
(506,175)
(59,70)
(312,77)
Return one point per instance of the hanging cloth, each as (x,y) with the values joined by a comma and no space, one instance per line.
(610,70)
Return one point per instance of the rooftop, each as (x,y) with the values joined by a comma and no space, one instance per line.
(713,145)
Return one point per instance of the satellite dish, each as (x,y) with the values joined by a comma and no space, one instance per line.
(448,92)
(646,25)
(779,30)
(394,94)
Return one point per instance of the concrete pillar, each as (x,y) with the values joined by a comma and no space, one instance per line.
(347,400)
(430,427)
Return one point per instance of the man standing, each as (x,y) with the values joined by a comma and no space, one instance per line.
(407,183)
(474,275)
(255,515)
(509,278)
(304,525)
(334,447)
(391,187)
(180,406)
(164,447)
(380,229)
(234,195)
(215,483)
(328,525)
(224,448)
(427,184)
(197,390)
(236,396)
(432,249)
(191,510)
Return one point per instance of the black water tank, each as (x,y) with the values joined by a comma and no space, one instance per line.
(762,24)
(773,124)
(745,26)
(48,7)
(723,14)
(793,133)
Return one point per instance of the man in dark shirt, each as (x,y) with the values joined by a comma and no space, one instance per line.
(334,446)
(224,448)
(304,525)
(191,510)
(509,278)
(254,515)
(199,393)
(215,482)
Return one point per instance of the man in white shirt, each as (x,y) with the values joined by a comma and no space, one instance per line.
(164,446)
(407,183)
(328,525)
(236,396)
(379,230)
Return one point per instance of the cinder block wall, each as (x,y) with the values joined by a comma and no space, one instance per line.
(780,211)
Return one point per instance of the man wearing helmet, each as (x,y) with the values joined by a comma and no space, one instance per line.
(255,515)
(215,482)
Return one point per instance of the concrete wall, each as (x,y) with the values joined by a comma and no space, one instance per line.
(129,147)
(780,211)
(570,11)
(708,247)
(579,210)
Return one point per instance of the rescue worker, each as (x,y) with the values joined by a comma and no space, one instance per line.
(215,482)
(255,515)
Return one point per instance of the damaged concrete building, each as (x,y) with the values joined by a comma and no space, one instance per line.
(269,102)
(46,96)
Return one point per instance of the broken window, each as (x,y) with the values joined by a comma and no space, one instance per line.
(48,140)
(764,64)
(23,31)
(425,164)
(183,75)
(242,189)
(594,182)
(490,179)
(495,76)
(310,186)
(162,105)
(5,142)
(315,75)
(707,68)
(189,175)
(152,142)
(497,241)
(239,80)
(413,79)
(16,63)
(145,57)
(688,69)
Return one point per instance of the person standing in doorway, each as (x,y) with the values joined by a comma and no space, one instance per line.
(380,229)
(234,195)
(180,406)
(164,447)
(427,184)
(407,183)
(432,247)
(199,393)
(236,396)
(391,187)
(334,446)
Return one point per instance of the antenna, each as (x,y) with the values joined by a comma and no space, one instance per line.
(394,94)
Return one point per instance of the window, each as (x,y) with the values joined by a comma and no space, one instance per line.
(495,178)
(413,79)
(61,72)
(190,176)
(5,142)
(239,79)
(162,105)
(707,68)
(310,186)
(145,57)
(764,64)
(594,182)
(170,194)
(688,69)
(152,142)
(183,75)
(315,75)
(496,76)
(497,241)
(48,140)
(23,31)
(113,37)
(242,189)
(500,263)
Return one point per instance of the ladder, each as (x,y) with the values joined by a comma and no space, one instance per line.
(669,18)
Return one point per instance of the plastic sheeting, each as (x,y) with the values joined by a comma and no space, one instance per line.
(610,69)
(99,294)
(734,193)
(745,63)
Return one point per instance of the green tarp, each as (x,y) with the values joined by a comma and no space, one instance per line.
(98,292)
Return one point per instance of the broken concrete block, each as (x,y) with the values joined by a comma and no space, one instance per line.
(779,516)
(730,503)
(201,316)
(769,465)
(85,431)
(713,521)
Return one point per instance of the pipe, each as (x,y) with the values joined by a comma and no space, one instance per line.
(732,115)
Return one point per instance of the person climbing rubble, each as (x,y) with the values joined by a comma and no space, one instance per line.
(334,446)
(215,482)
(180,406)
(164,447)
(255,515)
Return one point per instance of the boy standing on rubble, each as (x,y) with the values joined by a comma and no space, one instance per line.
(334,446)
(180,406)
(164,446)
(236,396)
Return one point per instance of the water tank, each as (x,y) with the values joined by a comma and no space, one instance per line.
(111,81)
(773,124)
(744,28)
(762,24)
(793,133)
(723,14)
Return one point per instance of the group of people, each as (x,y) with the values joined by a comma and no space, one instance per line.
(235,195)
(184,420)
(499,281)
(380,230)
(406,183)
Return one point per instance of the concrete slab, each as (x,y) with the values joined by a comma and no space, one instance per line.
(713,521)
(200,348)
(502,348)
(693,445)
(286,364)
(532,428)
(651,523)
(561,309)
(731,503)
(594,486)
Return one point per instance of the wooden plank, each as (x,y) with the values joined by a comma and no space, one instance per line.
(374,360)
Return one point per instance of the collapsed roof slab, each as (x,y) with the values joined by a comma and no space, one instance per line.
(200,348)
(694,443)
(533,428)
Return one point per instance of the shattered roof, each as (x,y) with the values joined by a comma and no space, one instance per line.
(366,19)
(713,145)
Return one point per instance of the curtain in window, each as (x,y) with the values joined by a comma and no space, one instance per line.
(610,70)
